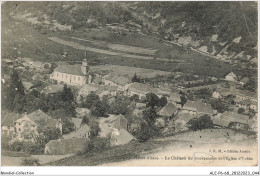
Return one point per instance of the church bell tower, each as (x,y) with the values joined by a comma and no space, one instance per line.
(84,66)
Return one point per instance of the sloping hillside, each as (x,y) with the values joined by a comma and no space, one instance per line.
(219,28)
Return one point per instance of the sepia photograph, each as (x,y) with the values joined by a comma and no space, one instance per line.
(129,83)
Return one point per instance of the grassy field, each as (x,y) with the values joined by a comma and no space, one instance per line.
(180,143)
(21,40)
(14,153)
(115,154)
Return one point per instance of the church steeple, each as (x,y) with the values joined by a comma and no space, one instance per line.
(84,66)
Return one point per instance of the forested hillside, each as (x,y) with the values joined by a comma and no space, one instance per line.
(225,28)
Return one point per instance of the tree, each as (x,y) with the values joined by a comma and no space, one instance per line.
(135,98)
(135,78)
(145,132)
(94,128)
(163,101)
(13,93)
(67,95)
(16,83)
(152,100)
(203,122)
(150,115)
(240,110)
(183,99)
(90,100)
(119,106)
(98,109)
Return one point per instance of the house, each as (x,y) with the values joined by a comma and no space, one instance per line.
(137,113)
(244,81)
(247,104)
(82,132)
(189,107)
(235,117)
(140,105)
(107,90)
(216,95)
(117,121)
(67,146)
(8,125)
(168,111)
(174,97)
(77,122)
(77,74)
(233,120)
(113,121)
(81,112)
(52,89)
(231,77)
(139,89)
(243,94)
(204,108)
(220,93)
(197,107)
(87,89)
(181,122)
(26,126)
(120,137)
(121,82)
(27,86)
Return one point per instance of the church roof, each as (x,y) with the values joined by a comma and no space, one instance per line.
(69,69)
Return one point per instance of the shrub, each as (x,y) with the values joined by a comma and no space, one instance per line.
(97,144)
(240,110)
(33,148)
(16,146)
(30,162)
(203,122)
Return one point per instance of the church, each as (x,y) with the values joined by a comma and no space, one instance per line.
(75,75)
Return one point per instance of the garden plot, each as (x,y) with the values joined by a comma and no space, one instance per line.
(130,71)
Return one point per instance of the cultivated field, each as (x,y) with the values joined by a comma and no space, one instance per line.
(122,48)
(130,71)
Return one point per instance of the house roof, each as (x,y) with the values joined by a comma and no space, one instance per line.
(246,102)
(52,89)
(77,122)
(27,85)
(82,111)
(184,118)
(121,80)
(84,129)
(106,88)
(174,97)
(204,107)
(245,80)
(232,74)
(168,110)
(9,119)
(245,93)
(51,123)
(190,105)
(69,69)
(122,136)
(89,87)
(116,117)
(198,106)
(235,117)
(38,115)
(141,88)
(140,105)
